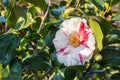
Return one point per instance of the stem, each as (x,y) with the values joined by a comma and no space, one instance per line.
(44,17)
(78,3)
(46,73)
(36,75)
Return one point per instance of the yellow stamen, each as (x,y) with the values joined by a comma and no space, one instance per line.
(74,40)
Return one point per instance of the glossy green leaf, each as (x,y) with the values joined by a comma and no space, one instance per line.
(8,44)
(69,74)
(37,63)
(40,3)
(50,36)
(110,56)
(15,70)
(97,33)
(110,53)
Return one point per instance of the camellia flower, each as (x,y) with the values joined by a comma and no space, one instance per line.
(74,42)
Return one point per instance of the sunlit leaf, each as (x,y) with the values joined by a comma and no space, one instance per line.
(104,24)
(3,72)
(97,33)
(23,23)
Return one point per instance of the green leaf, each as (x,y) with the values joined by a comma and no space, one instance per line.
(70,74)
(15,70)
(23,23)
(16,13)
(4,3)
(114,2)
(28,38)
(57,12)
(110,56)
(115,76)
(116,17)
(97,33)
(35,26)
(33,11)
(98,3)
(50,36)
(104,24)
(79,68)
(112,51)
(40,3)
(3,72)
(8,44)
(2,19)
(57,76)
(37,63)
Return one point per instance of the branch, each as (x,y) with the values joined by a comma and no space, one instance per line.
(46,73)
(44,17)
(36,75)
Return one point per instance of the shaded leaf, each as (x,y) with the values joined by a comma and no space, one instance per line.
(57,12)
(79,68)
(50,36)
(115,76)
(114,2)
(69,74)
(37,63)
(35,26)
(15,70)
(40,3)
(8,44)
(110,56)
(28,38)
(16,13)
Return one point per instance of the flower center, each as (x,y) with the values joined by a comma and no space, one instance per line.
(74,40)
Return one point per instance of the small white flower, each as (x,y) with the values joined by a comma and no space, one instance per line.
(74,42)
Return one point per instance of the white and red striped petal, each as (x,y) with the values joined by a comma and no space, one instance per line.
(74,42)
